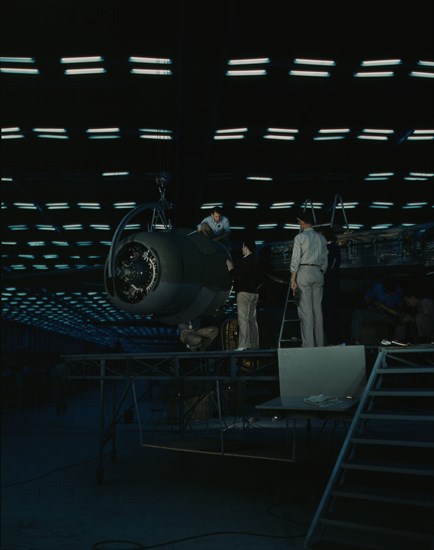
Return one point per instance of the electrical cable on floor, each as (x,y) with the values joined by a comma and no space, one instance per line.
(63,468)
(97,545)
(285,519)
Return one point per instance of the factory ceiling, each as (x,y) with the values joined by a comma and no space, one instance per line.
(261,110)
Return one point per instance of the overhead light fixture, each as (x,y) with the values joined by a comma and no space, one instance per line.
(250,61)
(45,227)
(103,133)
(280,205)
(347,205)
(26,205)
(379,205)
(209,205)
(114,174)
(57,205)
(379,176)
(134,226)
(423,74)
(319,62)
(381,226)
(374,74)
(101,226)
(155,71)
(327,134)
(230,133)
(374,134)
(412,205)
(83,60)
(247,63)
(17,60)
(51,133)
(89,70)
(150,60)
(73,226)
(281,133)
(320,74)
(281,137)
(333,130)
(104,136)
(328,138)
(12,132)
(156,133)
(121,205)
(381,62)
(422,176)
(247,205)
(17,70)
(89,205)
(246,72)
(421,135)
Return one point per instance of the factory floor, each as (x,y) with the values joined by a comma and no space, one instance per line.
(232,482)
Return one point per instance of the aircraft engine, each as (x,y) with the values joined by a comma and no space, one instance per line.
(175,276)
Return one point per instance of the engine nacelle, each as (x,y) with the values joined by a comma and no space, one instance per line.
(175,276)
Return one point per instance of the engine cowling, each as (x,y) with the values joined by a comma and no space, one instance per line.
(175,276)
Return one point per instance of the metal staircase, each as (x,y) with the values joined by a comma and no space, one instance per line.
(289,335)
(381,492)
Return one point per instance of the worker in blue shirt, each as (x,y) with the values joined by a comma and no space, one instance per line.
(215,226)
(384,303)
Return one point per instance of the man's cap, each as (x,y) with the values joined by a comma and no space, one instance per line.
(306,217)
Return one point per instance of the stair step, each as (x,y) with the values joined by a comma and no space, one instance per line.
(406,370)
(380,529)
(402,393)
(393,442)
(398,416)
(380,494)
(395,496)
(371,466)
(367,534)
